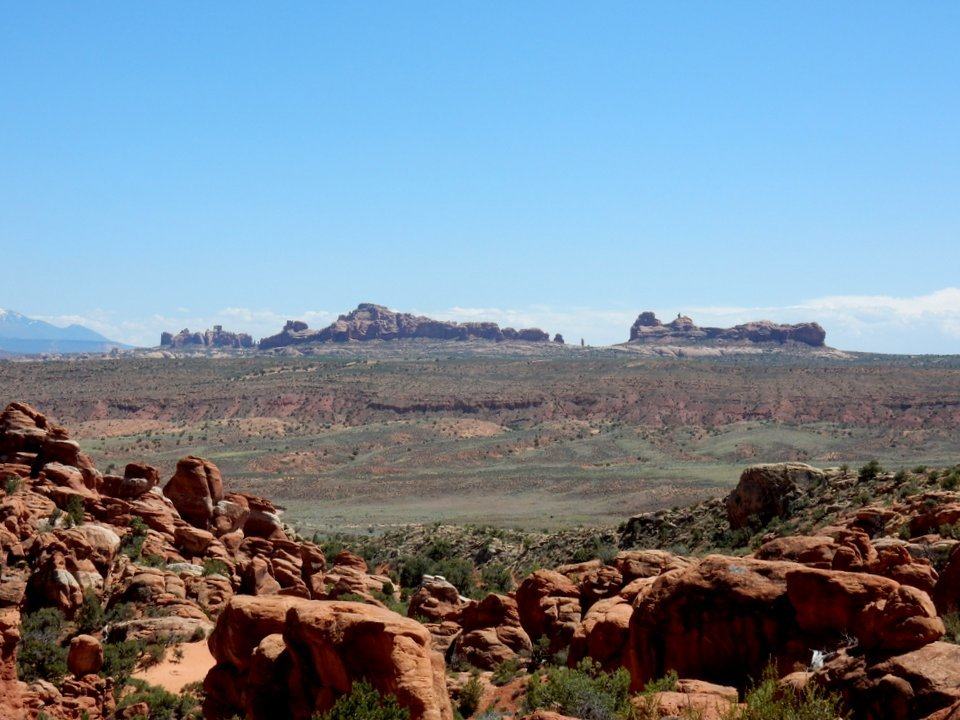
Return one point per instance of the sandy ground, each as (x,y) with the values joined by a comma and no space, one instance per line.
(172,674)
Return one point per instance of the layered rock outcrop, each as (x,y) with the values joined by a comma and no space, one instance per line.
(291,658)
(216,337)
(682,330)
(767,491)
(376,322)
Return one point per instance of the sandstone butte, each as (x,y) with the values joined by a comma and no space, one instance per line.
(367,322)
(289,630)
(649,329)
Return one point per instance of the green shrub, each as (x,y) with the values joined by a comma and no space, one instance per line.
(90,616)
(595,548)
(767,701)
(470,696)
(154,561)
(543,656)
(584,692)
(391,603)
(950,481)
(668,683)
(496,578)
(41,654)
(75,511)
(951,622)
(216,566)
(153,654)
(120,659)
(11,484)
(869,471)
(458,571)
(132,543)
(351,597)
(506,671)
(164,705)
(365,703)
(120,612)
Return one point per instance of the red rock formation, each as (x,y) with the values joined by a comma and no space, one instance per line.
(375,322)
(720,620)
(217,337)
(323,649)
(766,491)
(549,605)
(86,655)
(647,328)
(882,614)
(195,488)
(492,632)
(436,600)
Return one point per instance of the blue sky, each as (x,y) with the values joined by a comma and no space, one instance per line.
(567,164)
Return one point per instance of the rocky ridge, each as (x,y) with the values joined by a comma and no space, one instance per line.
(294,627)
(376,322)
(648,329)
(215,338)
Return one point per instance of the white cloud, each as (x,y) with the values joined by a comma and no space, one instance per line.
(881,323)
(925,323)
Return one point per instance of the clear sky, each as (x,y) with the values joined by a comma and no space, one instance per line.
(568,164)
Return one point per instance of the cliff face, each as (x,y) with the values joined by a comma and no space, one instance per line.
(217,337)
(375,322)
(648,329)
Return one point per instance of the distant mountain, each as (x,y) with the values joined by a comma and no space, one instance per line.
(20,335)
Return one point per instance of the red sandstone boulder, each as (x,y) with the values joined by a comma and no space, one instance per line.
(436,600)
(258,579)
(195,488)
(690,699)
(191,540)
(913,685)
(230,514)
(720,620)
(244,622)
(634,564)
(326,647)
(492,632)
(11,702)
(946,594)
(345,558)
(815,551)
(86,655)
(598,584)
(68,477)
(765,492)
(881,613)
(549,605)
(22,429)
(603,634)
(138,478)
